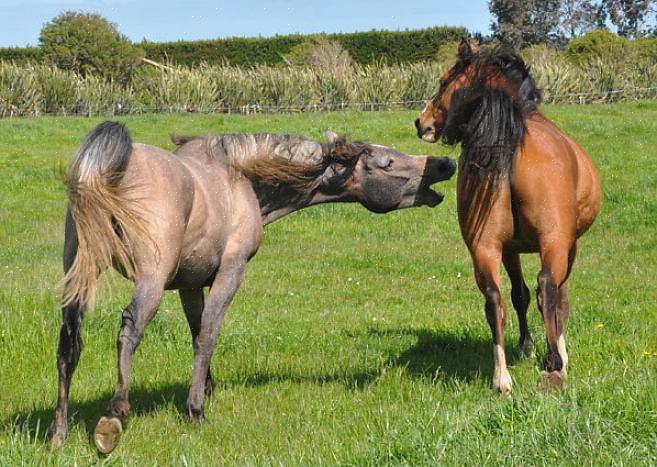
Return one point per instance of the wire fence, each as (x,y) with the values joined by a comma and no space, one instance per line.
(118,108)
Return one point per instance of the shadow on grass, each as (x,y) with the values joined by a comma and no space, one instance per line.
(86,414)
(462,357)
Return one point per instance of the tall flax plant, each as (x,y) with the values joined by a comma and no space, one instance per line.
(333,90)
(60,90)
(20,93)
(557,78)
(376,84)
(181,90)
(99,96)
(419,81)
(290,88)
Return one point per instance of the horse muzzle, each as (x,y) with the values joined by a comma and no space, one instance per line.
(427,133)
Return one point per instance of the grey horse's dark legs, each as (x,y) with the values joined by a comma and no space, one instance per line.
(68,354)
(136,316)
(70,341)
(193,302)
(223,290)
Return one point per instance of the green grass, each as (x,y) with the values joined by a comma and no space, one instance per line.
(356,338)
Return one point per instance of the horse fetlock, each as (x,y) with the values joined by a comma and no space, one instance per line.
(57,434)
(553,362)
(196,413)
(119,407)
(527,347)
(107,434)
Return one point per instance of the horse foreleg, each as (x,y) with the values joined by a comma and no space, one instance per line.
(193,302)
(487,274)
(225,285)
(520,298)
(136,316)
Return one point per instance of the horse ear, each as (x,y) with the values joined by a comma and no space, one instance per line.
(467,49)
(331,136)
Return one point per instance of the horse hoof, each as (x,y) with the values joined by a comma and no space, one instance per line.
(107,434)
(57,440)
(552,380)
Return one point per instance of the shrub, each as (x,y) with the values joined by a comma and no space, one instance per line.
(86,43)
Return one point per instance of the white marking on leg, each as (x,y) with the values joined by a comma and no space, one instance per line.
(501,376)
(561,347)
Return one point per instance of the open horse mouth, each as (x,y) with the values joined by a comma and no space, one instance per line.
(426,196)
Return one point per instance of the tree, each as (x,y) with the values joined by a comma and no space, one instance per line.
(526,22)
(578,17)
(630,16)
(88,43)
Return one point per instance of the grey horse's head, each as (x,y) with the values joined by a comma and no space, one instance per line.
(380,178)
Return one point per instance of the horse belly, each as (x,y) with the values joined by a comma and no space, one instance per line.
(197,268)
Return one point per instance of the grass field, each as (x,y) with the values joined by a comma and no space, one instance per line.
(356,339)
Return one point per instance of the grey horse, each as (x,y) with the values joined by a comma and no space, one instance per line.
(193,218)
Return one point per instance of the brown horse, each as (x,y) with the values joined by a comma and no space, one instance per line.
(194,218)
(523,187)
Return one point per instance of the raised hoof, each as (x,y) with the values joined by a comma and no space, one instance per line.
(552,380)
(107,434)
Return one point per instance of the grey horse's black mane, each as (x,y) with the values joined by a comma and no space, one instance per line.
(277,159)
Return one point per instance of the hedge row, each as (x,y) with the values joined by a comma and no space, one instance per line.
(20,54)
(363,47)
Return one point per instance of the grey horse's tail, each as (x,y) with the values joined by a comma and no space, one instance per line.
(103,215)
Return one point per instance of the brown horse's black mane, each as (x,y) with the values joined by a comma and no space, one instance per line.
(488,118)
(279,160)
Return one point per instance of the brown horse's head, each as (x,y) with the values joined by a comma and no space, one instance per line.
(380,178)
(462,87)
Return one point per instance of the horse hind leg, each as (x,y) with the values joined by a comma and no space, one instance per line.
(520,298)
(70,344)
(552,298)
(487,273)
(193,302)
(135,317)
(68,355)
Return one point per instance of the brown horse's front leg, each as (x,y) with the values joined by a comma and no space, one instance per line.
(136,316)
(68,354)
(224,287)
(487,272)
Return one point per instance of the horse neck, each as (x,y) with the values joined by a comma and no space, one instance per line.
(278,201)
(282,171)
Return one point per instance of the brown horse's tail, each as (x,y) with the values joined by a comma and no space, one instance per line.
(104,217)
